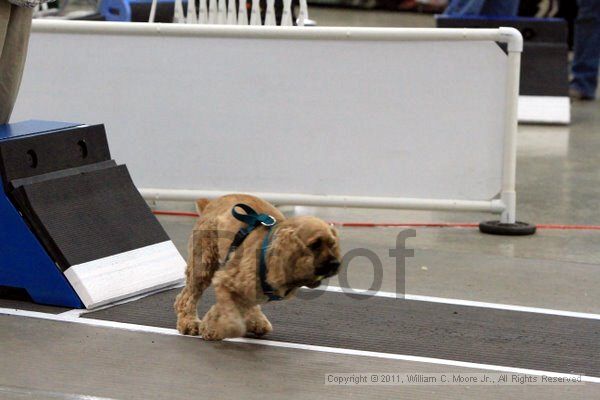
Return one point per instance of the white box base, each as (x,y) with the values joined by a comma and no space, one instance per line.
(544,110)
(128,274)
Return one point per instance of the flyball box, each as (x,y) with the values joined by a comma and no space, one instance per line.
(74,229)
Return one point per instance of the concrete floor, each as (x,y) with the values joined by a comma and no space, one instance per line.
(557,182)
(68,359)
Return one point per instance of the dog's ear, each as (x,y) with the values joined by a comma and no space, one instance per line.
(334,232)
(201,205)
(315,242)
(288,257)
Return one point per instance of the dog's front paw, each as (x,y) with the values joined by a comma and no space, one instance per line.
(221,331)
(189,326)
(217,325)
(259,325)
(211,334)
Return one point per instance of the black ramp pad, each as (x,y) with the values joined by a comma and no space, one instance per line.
(88,216)
(472,334)
(34,155)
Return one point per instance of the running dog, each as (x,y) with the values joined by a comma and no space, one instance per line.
(270,263)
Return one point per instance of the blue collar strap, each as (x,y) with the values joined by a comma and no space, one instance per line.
(267,289)
(253,220)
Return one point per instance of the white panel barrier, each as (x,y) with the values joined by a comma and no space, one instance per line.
(191,16)
(178,15)
(286,15)
(270,13)
(303,17)
(224,12)
(359,117)
(231,13)
(255,13)
(203,12)
(242,16)
(212,12)
(219,12)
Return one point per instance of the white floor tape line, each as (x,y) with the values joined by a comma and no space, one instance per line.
(43,394)
(390,295)
(308,347)
(460,302)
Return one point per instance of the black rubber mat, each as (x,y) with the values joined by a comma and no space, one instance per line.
(480,335)
(21,301)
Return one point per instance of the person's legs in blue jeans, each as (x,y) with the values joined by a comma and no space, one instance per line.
(459,8)
(500,8)
(587,48)
(492,8)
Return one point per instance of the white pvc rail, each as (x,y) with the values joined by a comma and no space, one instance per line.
(511,36)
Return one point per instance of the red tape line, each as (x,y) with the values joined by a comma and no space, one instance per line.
(411,224)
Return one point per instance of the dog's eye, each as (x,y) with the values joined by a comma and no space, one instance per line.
(316,245)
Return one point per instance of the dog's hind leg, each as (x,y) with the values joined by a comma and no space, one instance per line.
(203,261)
(256,322)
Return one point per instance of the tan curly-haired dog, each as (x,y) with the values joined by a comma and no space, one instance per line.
(303,251)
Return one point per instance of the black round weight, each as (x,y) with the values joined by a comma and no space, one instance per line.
(499,228)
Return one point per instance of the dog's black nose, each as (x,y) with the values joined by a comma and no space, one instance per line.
(329,268)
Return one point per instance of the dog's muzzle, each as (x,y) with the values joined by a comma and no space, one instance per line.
(328,269)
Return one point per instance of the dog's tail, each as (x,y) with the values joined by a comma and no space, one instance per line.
(201,205)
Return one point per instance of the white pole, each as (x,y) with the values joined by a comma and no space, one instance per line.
(191,12)
(286,15)
(509,195)
(222,12)
(303,13)
(242,13)
(509,157)
(231,13)
(270,13)
(178,16)
(493,206)
(255,13)
(212,12)
(321,33)
(202,13)
(152,11)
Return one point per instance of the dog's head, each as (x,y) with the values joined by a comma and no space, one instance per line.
(305,251)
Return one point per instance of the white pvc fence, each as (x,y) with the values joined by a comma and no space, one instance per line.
(358,117)
(225,12)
